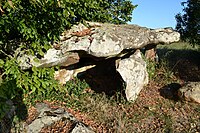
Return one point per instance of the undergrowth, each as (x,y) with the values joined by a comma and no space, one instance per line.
(161,72)
(150,112)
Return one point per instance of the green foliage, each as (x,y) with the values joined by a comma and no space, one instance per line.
(32,26)
(72,94)
(36,23)
(37,80)
(164,73)
(151,69)
(160,71)
(76,87)
(34,80)
(188,24)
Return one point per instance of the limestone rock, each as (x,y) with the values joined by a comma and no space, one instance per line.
(103,41)
(107,39)
(150,52)
(65,75)
(53,57)
(134,73)
(81,128)
(48,116)
(99,40)
(27,61)
(190,92)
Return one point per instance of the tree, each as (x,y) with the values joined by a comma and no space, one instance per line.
(32,25)
(188,24)
(37,22)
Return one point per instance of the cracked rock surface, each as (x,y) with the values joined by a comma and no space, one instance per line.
(103,41)
(48,116)
(190,92)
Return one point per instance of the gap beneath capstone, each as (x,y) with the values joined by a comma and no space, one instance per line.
(103,78)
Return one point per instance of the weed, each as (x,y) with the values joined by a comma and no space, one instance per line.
(151,69)
(168,122)
(160,72)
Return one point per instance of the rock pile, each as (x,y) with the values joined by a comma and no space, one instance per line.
(45,117)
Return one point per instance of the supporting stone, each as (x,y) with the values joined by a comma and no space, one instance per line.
(190,92)
(134,73)
(150,52)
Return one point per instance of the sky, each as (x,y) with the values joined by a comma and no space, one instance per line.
(156,13)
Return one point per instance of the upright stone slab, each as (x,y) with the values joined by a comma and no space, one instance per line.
(134,73)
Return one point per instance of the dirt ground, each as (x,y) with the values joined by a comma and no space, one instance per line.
(157,108)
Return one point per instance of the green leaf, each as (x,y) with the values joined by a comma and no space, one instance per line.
(1,63)
(33,88)
(44,85)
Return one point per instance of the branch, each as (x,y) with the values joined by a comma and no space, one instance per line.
(6,54)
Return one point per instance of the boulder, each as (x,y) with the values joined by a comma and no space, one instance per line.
(134,73)
(45,117)
(190,92)
(102,41)
(48,116)
(64,75)
(150,53)
(105,40)
(52,57)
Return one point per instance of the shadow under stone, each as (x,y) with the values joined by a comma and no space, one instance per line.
(170,91)
(103,78)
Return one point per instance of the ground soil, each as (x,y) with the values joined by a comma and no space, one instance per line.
(157,108)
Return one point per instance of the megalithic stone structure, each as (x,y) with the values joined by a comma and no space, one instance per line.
(103,41)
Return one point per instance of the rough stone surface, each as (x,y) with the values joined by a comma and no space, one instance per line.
(48,116)
(103,41)
(6,122)
(190,92)
(107,39)
(81,128)
(134,73)
(53,57)
(65,75)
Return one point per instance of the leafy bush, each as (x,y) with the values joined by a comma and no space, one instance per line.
(17,81)
(33,26)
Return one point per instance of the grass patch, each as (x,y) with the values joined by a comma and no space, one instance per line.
(180,46)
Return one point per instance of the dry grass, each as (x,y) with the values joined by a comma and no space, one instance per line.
(151,112)
(157,108)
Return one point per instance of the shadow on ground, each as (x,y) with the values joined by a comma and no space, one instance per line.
(184,63)
(14,108)
(170,91)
